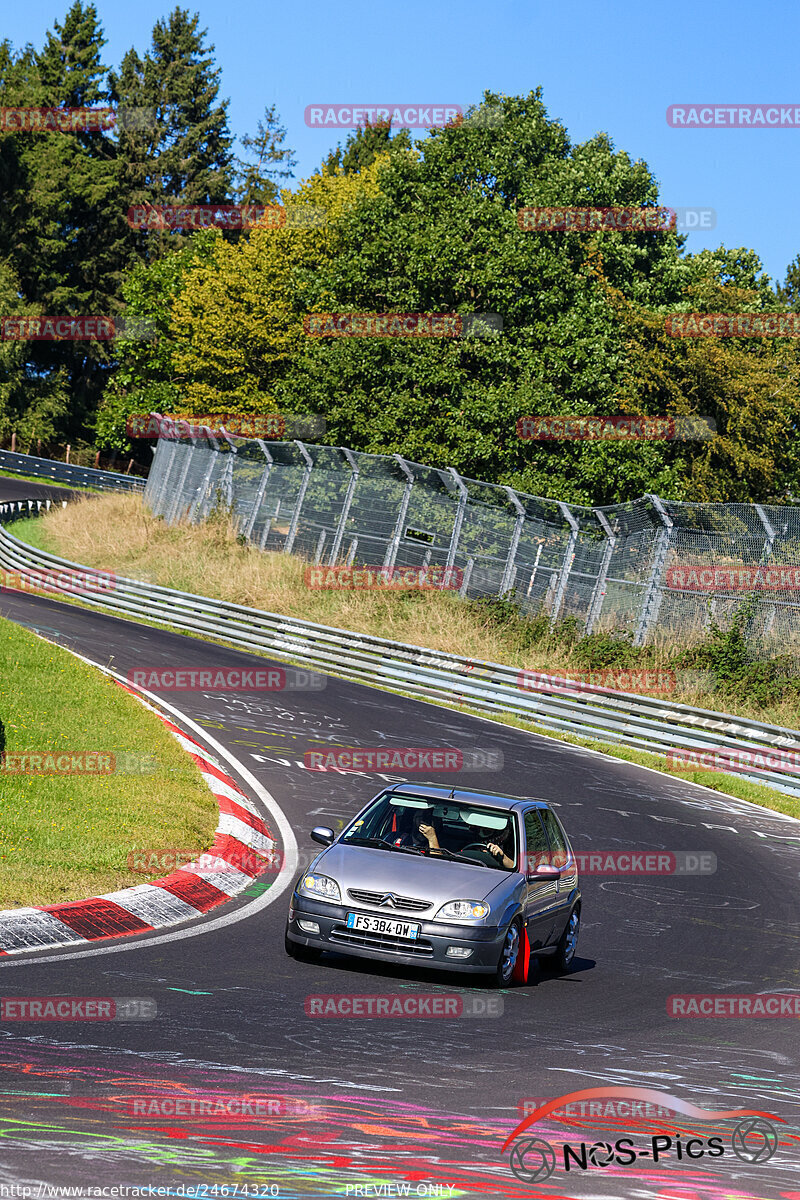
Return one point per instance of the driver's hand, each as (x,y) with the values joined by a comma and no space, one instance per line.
(429,833)
(495,850)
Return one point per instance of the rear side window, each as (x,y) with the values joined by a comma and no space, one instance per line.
(557,844)
(537,850)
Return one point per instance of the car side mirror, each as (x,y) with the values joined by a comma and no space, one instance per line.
(323,835)
(546,871)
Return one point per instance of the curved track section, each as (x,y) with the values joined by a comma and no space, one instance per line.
(312,1106)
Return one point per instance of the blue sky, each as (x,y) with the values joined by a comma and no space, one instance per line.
(610,67)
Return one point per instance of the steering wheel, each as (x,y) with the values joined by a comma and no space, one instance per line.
(479,846)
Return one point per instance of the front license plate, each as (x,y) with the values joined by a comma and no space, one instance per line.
(403,929)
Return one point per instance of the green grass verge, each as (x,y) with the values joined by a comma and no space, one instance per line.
(66,837)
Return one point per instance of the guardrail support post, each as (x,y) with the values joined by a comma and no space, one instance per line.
(348,500)
(458,522)
(599,593)
(394,545)
(301,495)
(651,601)
(566,566)
(509,571)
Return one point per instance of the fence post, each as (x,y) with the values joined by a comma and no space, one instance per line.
(535,568)
(599,593)
(159,503)
(566,566)
(394,545)
(198,505)
(262,488)
(175,502)
(348,500)
(457,523)
(766,554)
(301,495)
(651,601)
(510,569)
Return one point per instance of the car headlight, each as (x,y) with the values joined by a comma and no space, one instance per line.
(322,887)
(463,910)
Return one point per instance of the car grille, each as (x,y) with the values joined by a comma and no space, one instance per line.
(408,903)
(419,948)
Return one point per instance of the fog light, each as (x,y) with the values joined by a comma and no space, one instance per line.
(458,952)
(309,926)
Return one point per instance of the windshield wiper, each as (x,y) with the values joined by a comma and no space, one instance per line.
(367,841)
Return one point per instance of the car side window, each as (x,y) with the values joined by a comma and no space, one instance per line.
(537,850)
(557,844)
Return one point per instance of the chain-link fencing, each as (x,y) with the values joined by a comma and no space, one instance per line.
(654,568)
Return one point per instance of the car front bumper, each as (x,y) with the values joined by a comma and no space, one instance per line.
(430,949)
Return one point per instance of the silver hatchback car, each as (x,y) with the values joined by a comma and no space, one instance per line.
(442,877)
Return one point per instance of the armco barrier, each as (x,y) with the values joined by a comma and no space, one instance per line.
(641,722)
(59,472)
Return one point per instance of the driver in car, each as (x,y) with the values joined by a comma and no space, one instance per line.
(498,845)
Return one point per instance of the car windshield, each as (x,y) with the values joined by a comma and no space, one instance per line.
(449,829)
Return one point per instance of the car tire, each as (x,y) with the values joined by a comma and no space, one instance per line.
(561,961)
(505,971)
(308,954)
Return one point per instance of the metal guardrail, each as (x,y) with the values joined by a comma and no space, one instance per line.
(48,468)
(640,722)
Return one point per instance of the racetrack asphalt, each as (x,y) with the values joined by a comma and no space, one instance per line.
(389,1103)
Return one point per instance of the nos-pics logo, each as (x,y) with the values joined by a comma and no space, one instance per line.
(753,1139)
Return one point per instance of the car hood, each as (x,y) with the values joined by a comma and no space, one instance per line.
(434,879)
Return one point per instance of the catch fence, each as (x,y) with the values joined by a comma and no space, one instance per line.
(653,568)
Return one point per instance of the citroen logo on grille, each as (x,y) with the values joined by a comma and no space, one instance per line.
(387,900)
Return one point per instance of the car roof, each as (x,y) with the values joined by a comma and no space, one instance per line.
(433,791)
